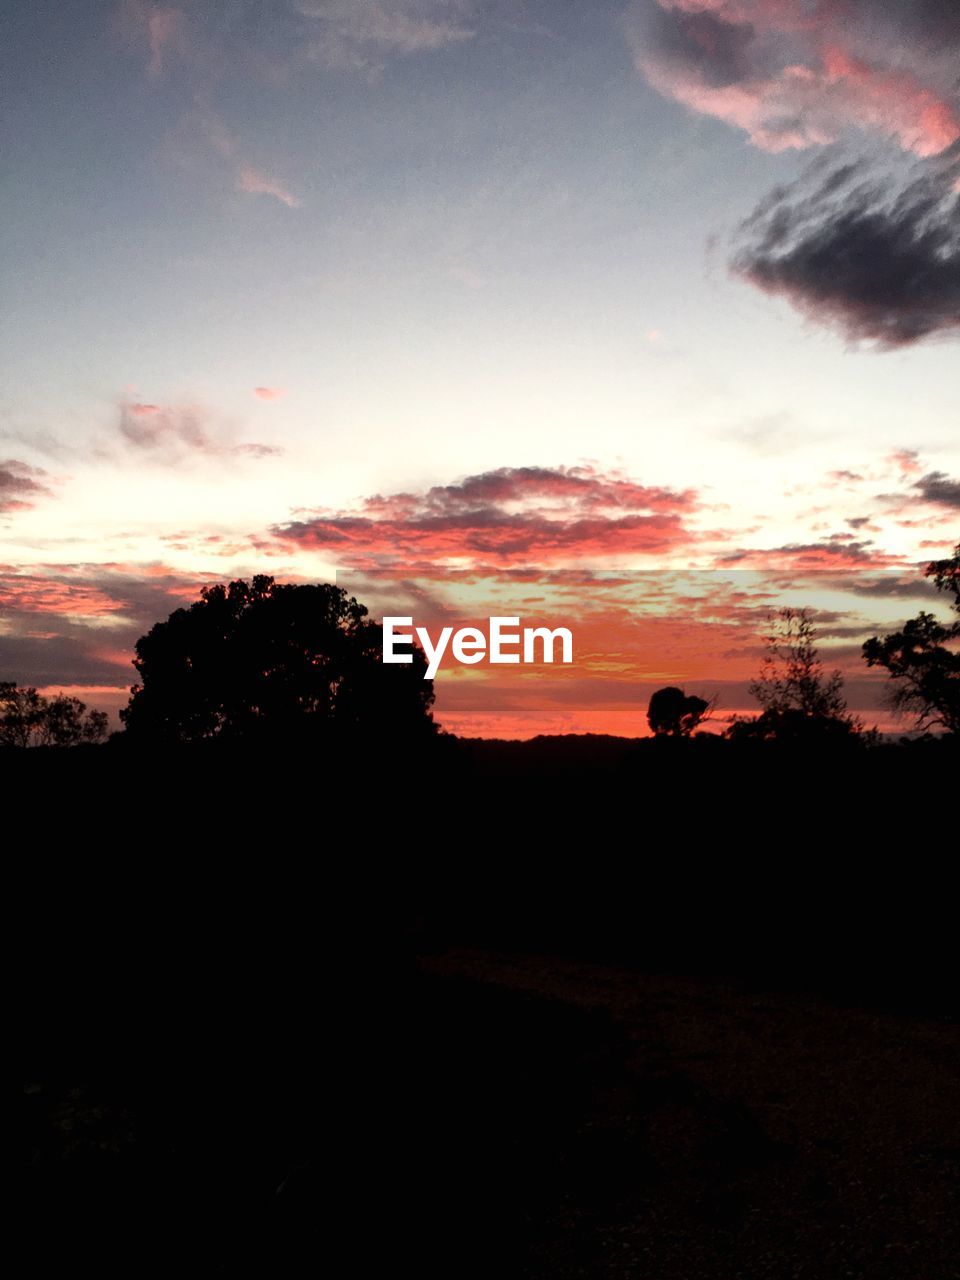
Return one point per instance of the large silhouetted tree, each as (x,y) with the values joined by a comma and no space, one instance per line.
(923,658)
(799,699)
(673,713)
(270,660)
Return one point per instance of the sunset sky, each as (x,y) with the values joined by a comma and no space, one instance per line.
(538,292)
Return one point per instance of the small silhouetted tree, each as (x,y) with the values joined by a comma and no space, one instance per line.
(673,713)
(66,722)
(272,660)
(923,658)
(28,719)
(20,714)
(798,697)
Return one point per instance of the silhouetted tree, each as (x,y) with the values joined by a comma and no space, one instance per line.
(674,714)
(923,658)
(28,719)
(66,722)
(20,713)
(799,699)
(274,660)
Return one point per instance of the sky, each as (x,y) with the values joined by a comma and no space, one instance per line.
(501,292)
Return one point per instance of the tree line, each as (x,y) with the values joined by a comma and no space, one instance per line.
(28,719)
(276,661)
(800,699)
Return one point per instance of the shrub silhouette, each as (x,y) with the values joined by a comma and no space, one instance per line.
(672,713)
(270,660)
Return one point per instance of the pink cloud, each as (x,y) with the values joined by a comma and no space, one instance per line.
(160,30)
(269,393)
(173,432)
(792,75)
(21,485)
(165,32)
(906,461)
(256,183)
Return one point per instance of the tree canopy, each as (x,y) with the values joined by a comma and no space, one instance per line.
(923,657)
(270,660)
(673,713)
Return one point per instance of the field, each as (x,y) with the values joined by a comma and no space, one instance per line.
(521,1016)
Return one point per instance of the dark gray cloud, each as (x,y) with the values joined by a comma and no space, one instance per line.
(882,264)
(894,587)
(716,51)
(836,552)
(934,24)
(62,659)
(938,487)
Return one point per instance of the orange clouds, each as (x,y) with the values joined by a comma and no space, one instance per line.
(632,633)
(32,593)
(555,546)
(510,516)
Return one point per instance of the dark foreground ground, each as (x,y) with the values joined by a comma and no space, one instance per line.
(692,1018)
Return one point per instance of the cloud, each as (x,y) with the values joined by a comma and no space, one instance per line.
(893,587)
(76,624)
(216,40)
(356,36)
(269,393)
(203,50)
(20,486)
(510,516)
(881,263)
(839,551)
(208,126)
(800,75)
(171,433)
(938,488)
(877,260)
(165,33)
(255,450)
(162,32)
(259,184)
(905,460)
